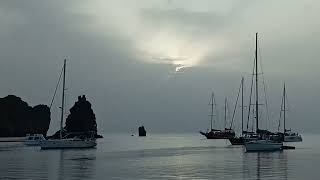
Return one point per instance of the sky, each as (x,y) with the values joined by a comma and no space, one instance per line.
(156,62)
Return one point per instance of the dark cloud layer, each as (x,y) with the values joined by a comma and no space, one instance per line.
(106,56)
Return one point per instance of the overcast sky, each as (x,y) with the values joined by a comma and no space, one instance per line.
(155,62)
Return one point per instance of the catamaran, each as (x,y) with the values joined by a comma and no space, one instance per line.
(263,143)
(65,142)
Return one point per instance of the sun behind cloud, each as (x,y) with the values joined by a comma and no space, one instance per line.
(177,36)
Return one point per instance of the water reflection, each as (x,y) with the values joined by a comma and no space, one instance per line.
(265,165)
(22,162)
(76,164)
(163,157)
(61,165)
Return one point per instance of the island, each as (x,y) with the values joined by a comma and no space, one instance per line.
(80,122)
(17,118)
(142,131)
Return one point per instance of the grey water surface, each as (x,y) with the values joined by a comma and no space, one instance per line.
(160,156)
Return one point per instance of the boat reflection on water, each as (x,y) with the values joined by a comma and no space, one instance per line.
(75,165)
(257,165)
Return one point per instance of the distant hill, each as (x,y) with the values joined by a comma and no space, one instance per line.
(17,118)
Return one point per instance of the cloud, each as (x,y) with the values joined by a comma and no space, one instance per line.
(121,54)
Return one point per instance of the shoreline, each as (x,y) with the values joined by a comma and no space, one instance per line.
(12,139)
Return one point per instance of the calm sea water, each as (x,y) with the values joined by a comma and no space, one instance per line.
(160,156)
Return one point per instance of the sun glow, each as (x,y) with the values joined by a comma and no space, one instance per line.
(169,47)
(168,44)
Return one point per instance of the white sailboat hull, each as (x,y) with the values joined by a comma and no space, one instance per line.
(67,143)
(263,145)
(294,138)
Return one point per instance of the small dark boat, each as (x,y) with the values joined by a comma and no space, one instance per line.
(246,136)
(288,147)
(237,141)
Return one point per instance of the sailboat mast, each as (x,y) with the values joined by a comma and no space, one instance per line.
(62,102)
(257,97)
(284,108)
(242,105)
(225,112)
(212,99)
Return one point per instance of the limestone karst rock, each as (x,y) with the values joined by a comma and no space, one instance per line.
(81,120)
(17,118)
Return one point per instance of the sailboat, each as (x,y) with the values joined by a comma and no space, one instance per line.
(288,135)
(229,132)
(239,140)
(33,139)
(245,135)
(263,143)
(64,142)
(217,133)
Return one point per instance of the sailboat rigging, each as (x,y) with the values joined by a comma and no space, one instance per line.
(288,136)
(216,133)
(239,140)
(64,142)
(263,143)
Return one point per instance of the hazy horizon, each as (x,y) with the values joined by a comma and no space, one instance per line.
(157,62)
